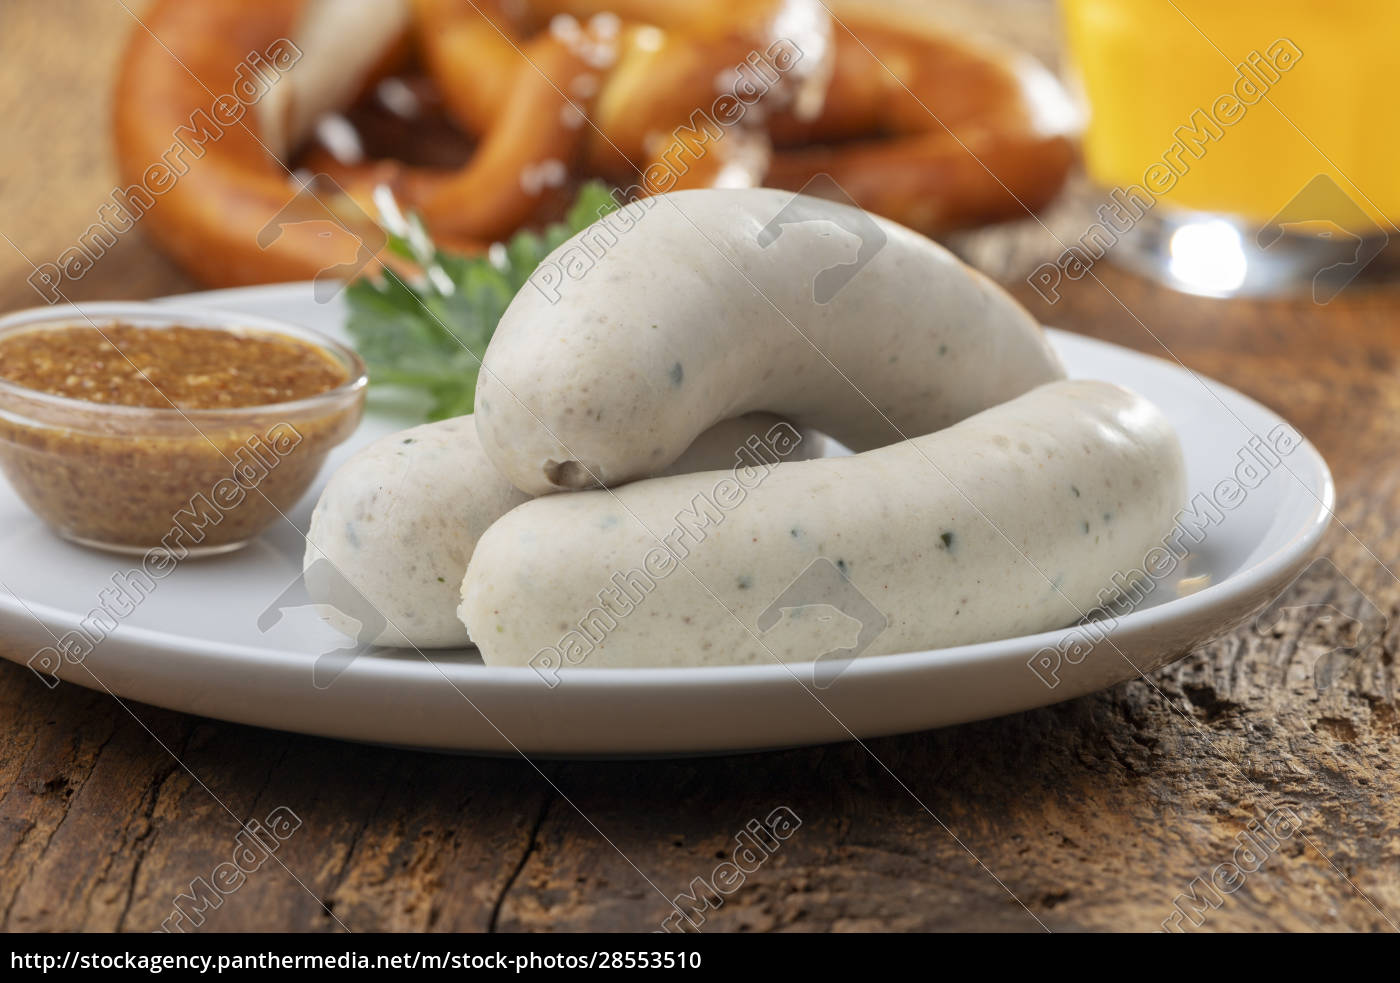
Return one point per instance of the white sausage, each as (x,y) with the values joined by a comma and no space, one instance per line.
(1083,477)
(400,519)
(656,322)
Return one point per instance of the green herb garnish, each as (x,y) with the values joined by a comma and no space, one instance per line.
(431,334)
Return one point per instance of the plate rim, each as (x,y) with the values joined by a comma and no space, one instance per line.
(406,668)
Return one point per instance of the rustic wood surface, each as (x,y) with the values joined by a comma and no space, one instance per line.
(1093,814)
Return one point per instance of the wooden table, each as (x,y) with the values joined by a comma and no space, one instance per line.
(1094,814)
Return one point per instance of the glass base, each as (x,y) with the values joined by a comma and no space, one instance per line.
(189,553)
(1219,256)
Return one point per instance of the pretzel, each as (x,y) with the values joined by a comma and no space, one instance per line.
(964,135)
(913,124)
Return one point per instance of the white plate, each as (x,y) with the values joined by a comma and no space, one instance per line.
(194,644)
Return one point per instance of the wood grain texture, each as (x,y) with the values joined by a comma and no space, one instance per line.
(1093,814)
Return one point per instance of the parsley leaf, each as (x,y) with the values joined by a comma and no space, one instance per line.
(430,334)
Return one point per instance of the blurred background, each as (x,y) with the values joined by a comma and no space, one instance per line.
(1252,126)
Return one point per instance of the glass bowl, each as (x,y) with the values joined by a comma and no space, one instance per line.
(187,482)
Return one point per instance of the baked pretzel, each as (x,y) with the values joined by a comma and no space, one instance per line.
(963,135)
(914,124)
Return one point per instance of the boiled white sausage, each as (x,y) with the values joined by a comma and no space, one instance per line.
(683,310)
(400,519)
(1011,522)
